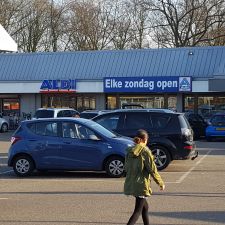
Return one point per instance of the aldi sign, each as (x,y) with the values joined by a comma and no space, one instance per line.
(58,86)
(147,84)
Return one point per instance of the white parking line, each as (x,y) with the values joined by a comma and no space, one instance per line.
(181,179)
(3,198)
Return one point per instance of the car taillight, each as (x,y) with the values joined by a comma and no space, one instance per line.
(15,139)
(188,147)
(186,132)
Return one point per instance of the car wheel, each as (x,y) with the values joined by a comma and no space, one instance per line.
(162,157)
(114,166)
(23,166)
(4,127)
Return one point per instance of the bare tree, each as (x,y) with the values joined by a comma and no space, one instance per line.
(178,23)
(140,26)
(33,24)
(11,15)
(120,34)
(90,25)
(57,25)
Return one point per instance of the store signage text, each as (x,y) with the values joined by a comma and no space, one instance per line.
(147,84)
(58,86)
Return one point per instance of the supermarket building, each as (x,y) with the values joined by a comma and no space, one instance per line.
(177,78)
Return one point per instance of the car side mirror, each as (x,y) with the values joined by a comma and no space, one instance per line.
(93,137)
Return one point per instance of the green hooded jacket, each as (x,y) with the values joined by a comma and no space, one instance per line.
(140,167)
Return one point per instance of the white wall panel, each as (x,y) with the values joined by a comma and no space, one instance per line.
(200,86)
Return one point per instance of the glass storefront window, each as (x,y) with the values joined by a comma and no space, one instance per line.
(92,103)
(172,103)
(189,104)
(86,103)
(79,103)
(11,106)
(209,105)
(146,102)
(111,102)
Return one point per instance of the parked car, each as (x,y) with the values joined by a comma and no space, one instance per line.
(55,112)
(132,106)
(66,144)
(4,125)
(198,124)
(171,136)
(89,114)
(216,128)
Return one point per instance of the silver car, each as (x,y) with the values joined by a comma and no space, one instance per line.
(4,125)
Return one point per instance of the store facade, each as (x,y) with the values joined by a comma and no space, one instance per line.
(182,79)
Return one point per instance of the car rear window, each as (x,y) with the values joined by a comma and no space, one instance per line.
(44,114)
(183,121)
(18,130)
(110,121)
(44,128)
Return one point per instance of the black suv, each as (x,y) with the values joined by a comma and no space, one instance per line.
(198,124)
(170,134)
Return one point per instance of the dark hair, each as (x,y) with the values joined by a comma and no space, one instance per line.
(140,136)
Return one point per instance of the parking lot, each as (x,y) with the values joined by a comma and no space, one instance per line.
(195,194)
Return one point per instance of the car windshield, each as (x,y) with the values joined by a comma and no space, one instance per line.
(44,114)
(218,120)
(100,129)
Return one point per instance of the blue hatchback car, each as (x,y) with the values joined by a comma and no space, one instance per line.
(66,144)
(216,127)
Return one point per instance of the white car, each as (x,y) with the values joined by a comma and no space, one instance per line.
(4,125)
(55,112)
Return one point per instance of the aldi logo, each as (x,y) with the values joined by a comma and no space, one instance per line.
(58,86)
(185,84)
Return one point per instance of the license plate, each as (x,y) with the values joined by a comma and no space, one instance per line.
(220,128)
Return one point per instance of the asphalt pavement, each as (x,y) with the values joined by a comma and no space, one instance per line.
(194,194)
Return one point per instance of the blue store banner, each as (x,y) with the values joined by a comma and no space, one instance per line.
(147,84)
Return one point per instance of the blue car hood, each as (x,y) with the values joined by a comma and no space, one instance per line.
(123,140)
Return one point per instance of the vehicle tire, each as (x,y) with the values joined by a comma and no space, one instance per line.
(162,157)
(114,166)
(4,128)
(23,165)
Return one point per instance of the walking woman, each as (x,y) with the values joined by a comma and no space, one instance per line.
(140,167)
